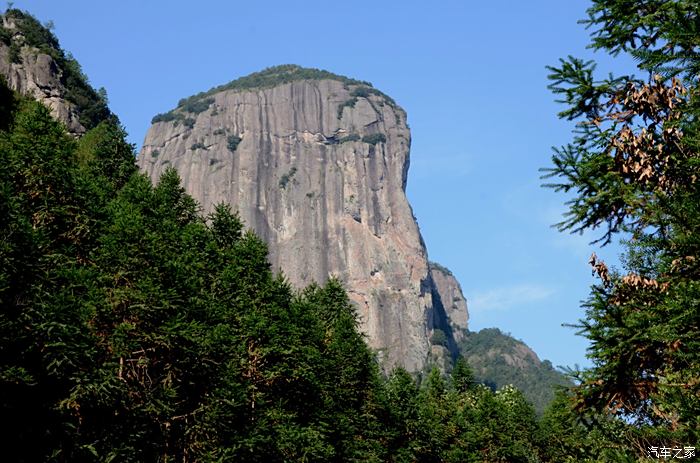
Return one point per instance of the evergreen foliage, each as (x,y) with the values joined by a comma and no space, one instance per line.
(439,338)
(52,204)
(186,107)
(349,138)
(133,329)
(267,78)
(462,375)
(196,106)
(232,142)
(568,436)
(274,76)
(286,178)
(632,169)
(167,117)
(349,103)
(374,138)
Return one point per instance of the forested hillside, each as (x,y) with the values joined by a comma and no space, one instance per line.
(135,328)
(631,172)
(36,63)
(499,360)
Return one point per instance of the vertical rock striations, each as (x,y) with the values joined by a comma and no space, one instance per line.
(316,164)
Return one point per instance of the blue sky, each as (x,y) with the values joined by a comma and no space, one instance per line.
(471,76)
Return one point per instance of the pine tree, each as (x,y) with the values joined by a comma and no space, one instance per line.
(349,379)
(462,376)
(633,169)
(567,436)
(402,425)
(42,230)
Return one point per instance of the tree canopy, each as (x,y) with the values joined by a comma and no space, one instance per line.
(134,329)
(632,171)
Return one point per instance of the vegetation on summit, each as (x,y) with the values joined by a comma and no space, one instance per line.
(267,78)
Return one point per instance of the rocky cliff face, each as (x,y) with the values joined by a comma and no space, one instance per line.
(33,64)
(316,164)
(453,301)
(36,76)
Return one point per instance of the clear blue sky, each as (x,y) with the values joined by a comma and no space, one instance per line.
(470,74)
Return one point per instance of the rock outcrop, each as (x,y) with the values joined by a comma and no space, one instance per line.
(36,76)
(317,165)
(452,299)
(33,64)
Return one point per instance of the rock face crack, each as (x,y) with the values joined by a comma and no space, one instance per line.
(324,206)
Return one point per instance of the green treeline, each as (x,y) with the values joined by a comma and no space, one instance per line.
(267,78)
(132,329)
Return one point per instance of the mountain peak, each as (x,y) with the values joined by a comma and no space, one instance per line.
(283,74)
(316,165)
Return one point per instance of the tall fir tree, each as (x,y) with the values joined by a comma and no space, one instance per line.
(633,168)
